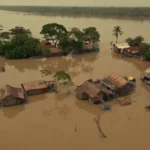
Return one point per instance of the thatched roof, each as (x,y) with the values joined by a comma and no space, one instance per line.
(88,88)
(35,85)
(11,91)
(116,80)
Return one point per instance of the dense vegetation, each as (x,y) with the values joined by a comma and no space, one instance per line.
(144,47)
(18,43)
(113,12)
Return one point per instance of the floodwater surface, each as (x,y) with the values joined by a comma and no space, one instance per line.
(60,121)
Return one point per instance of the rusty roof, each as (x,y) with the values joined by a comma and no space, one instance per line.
(116,80)
(11,91)
(36,84)
(133,49)
(88,88)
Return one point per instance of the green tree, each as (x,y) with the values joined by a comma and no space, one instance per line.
(145,50)
(1,28)
(54,32)
(4,36)
(76,34)
(91,35)
(20,31)
(21,46)
(117,31)
(137,41)
(58,76)
(68,45)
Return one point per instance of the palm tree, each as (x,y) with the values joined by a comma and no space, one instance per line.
(117,31)
(1,27)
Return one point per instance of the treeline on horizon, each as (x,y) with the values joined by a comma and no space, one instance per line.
(113,12)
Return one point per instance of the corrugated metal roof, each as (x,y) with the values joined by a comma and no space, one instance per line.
(122,45)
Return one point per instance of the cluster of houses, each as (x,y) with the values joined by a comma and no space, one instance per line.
(14,96)
(55,51)
(95,91)
(106,89)
(126,50)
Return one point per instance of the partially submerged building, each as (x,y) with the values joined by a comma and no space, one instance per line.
(131,51)
(90,91)
(118,84)
(53,50)
(38,87)
(146,76)
(11,96)
(120,47)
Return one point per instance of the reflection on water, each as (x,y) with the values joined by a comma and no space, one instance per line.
(55,115)
(11,112)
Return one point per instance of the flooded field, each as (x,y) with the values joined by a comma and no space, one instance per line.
(60,121)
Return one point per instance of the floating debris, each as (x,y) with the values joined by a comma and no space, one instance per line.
(97,120)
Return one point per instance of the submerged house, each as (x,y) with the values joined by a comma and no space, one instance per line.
(53,50)
(146,76)
(90,91)
(131,51)
(38,87)
(11,96)
(120,47)
(116,83)
(56,52)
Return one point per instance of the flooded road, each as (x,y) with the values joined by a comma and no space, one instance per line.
(60,121)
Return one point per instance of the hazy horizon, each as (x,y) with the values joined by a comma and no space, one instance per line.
(97,3)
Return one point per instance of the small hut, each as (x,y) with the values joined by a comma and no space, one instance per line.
(89,91)
(11,96)
(120,47)
(118,84)
(38,87)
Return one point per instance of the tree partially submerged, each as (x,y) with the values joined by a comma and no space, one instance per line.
(117,31)
(59,76)
(21,46)
(54,32)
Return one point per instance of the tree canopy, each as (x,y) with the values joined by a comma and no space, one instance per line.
(117,31)
(21,46)
(4,35)
(76,34)
(58,76)
(19,31)
(91,35)
(137,41)
(54,32)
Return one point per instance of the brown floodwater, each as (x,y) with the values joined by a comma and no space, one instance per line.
(60,121)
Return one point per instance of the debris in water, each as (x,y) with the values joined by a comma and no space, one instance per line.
(75,129)
(99,128)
